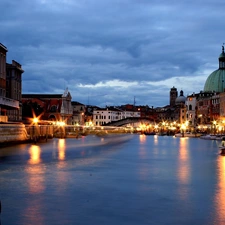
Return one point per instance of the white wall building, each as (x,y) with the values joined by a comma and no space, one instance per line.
(107,115)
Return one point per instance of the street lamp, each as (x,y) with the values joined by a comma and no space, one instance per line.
(35,120)
(183,128)
(214,126)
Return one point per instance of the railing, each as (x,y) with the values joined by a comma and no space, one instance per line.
(9,102)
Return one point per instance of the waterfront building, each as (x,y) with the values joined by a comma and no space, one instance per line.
(79,111)
(191,115)
(204,107)
(222,105)
(89,114)
(215,107)
(48,107)
(14,89)
(10,95)
(106,115)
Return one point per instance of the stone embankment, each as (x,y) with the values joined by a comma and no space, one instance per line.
(13,133)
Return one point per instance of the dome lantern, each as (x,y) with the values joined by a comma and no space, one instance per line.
(222,59)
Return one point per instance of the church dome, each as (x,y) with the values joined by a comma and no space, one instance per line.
(181,99)
(216,80)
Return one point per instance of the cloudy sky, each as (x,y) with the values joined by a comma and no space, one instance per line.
(110,52)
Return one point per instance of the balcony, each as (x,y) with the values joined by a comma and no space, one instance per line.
(9,103)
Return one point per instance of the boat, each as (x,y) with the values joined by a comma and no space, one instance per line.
(212,137)
(150,133)
(208,137)
(222,147)
(187,135)
(222,150)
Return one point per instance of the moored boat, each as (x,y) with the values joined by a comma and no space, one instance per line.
(187,135)
(150,133)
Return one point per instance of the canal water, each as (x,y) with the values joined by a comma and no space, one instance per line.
(121,180)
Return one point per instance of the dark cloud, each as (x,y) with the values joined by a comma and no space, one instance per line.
(113,49)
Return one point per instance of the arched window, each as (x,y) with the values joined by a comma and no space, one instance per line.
(190,107)
(53,108)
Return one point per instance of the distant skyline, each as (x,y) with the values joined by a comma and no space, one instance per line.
(109,51)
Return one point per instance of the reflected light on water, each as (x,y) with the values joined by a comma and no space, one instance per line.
(142,149)
(142,138)
(219,196)
(61,149)
(35,154)
(155,139)
(35,179)
(183,169)
(33,213)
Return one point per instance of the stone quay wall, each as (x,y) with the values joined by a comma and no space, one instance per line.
(10,133)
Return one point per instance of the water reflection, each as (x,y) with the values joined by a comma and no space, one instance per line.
(142,149)
(35,154)
(33,213)
(220,193)
(142,138)
(61,149)
(183,169)
(155,139)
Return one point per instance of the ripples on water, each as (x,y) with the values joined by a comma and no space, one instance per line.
(132,179)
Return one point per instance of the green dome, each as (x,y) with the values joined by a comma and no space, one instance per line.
(215,81)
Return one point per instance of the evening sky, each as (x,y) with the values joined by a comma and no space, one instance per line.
(110,52)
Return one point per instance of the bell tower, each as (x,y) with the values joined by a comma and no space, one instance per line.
(173,96)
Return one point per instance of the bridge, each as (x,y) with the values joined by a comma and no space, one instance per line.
(129,120)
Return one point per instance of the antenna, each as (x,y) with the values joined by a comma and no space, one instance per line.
(134,101)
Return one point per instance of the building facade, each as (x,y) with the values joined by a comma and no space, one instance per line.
(48,107)
(79,111)
(110,114)
(191,112)
(14,89)
(10,88)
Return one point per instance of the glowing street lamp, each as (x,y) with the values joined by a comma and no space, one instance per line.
(35,120)
(214,126)
(183,128)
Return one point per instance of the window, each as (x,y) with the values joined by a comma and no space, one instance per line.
(53,108)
